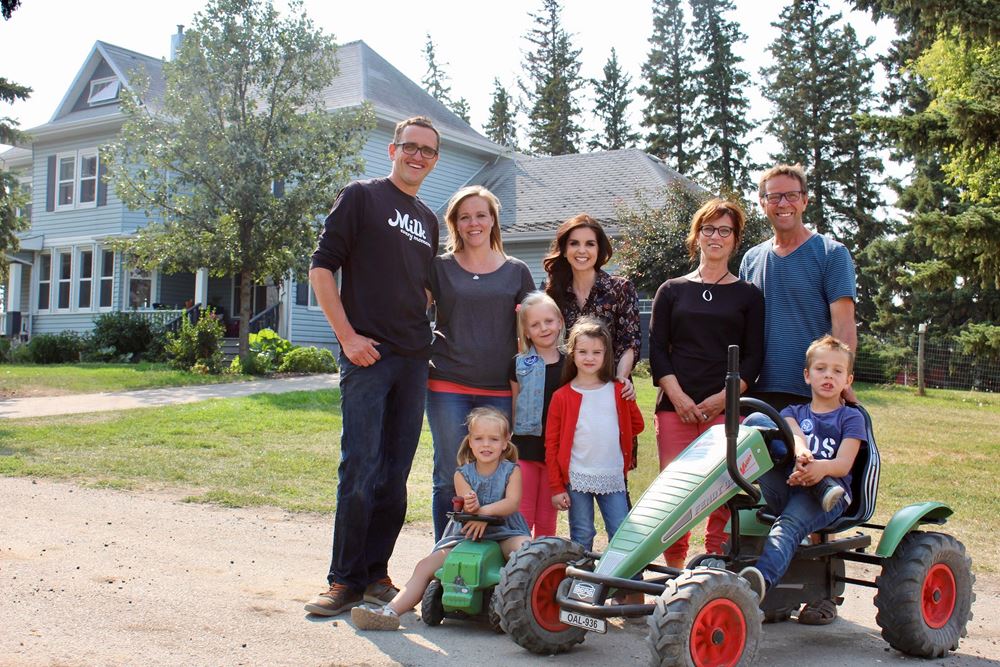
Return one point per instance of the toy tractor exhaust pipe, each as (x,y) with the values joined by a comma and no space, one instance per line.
(733,422)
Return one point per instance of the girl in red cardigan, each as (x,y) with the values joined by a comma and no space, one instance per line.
(588,435)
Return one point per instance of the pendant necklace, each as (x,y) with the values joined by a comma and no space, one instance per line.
(707,294)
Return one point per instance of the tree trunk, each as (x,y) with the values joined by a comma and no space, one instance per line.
(246,312)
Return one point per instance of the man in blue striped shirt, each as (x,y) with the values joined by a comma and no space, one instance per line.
(809,288)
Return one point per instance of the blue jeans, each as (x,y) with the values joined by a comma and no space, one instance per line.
(798,511)
(382,411)
(614,509)
(446,413)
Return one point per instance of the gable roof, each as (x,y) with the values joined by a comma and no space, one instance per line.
(364,75)
(125,65)
(538,193)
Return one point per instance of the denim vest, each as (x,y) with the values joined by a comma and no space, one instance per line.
(530,371)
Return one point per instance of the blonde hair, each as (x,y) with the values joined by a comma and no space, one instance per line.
(831,344)
(589,327)
(711,211)
(486,413)
(796,171)
(455,242)
(538,298)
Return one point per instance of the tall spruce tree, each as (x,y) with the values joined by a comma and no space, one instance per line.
(611,108)
(723,111)
(553,68)
(820,81)
(942,267)
(669,88)
(11,199)
(436,82)
(502,124)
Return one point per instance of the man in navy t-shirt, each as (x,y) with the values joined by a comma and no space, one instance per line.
(381,238)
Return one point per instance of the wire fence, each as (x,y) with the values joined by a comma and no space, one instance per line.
(945,366)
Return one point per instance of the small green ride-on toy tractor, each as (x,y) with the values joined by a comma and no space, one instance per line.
(551,593)
(463,587)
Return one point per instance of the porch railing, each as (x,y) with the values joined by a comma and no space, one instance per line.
(173,325)
(3,324)
(266,319)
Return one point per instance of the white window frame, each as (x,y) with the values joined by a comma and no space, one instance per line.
(100,278)
(24,184)
(106,94)
(58,280)
(127,302)
(59,181)
(86,154)
(79,279)
(40,280)
(77,180)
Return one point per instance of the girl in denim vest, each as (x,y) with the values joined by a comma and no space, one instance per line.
(534,377)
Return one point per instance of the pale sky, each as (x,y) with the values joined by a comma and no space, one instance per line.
(45,42)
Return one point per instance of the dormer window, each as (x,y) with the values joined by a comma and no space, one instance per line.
(103,91)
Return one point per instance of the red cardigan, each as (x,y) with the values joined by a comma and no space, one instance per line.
(560,428)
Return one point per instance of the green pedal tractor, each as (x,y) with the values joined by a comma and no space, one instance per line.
(551,593)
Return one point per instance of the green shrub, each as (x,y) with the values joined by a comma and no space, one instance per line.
(308,360)
(256,365)
(61,348)
(269,350)
(641,369)
(4,350)
(879,362)
(20,354)
(197,344)
(122,335)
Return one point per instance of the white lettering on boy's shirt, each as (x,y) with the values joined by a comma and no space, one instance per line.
(825,448)
(411,228)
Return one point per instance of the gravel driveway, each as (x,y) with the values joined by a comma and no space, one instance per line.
(101,577)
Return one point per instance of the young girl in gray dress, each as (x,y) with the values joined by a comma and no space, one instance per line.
(489,482)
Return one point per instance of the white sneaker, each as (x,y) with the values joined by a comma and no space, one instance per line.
(756,581)
(832,497)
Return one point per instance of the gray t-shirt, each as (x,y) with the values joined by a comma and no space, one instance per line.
(476,321)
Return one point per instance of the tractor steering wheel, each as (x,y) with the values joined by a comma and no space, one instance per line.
(782,426)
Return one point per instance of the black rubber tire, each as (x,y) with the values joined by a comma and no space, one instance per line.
(778,615)
(431,607)
(671,626)
(698,560)
(493,612)
(900,594)
(514,595)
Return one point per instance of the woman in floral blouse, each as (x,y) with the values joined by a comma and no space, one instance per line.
(577,283)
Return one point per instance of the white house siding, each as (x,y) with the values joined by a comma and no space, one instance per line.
(54,323)
(309,327)
(531,253)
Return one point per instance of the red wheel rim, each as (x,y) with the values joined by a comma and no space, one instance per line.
(718,634)
(543,598)
(937,601)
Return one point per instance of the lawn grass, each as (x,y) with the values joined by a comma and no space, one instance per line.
(282,450)
(21,380)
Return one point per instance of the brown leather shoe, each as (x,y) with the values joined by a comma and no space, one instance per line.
(381,592)
(338,599)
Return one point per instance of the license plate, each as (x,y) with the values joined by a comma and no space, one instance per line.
(585,622)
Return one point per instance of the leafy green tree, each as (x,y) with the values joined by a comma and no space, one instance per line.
(653,244)
(611,108)
(669,88)
(723,110)
(553,69)
(242,116)
(11,199)
(502,124)
(7,7)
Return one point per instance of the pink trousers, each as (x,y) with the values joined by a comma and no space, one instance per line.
(536,498)
(672,436)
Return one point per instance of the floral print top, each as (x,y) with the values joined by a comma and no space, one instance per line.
(614,300)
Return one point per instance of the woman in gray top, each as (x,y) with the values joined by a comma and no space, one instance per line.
(476,288)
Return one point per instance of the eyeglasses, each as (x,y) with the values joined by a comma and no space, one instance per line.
(411,148)
(790,197)
(708,230)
